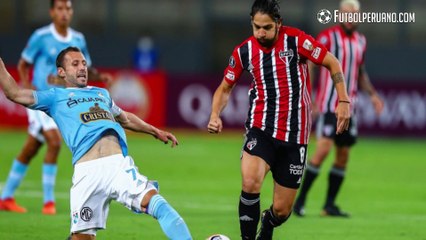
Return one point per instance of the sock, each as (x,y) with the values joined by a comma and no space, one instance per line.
(16,174)
(170,221)
(270,221)
(335,179)
(49,177)
(311,174)
(249,213)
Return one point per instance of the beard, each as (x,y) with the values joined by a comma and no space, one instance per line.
(266,43)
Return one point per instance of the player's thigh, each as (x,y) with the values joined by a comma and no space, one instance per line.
(257,156)
(253,171)
(290,164)
(130,188)
(52,137)
(90,194)
(35,126)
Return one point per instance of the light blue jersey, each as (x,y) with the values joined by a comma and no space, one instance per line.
(44,46)
(82,116)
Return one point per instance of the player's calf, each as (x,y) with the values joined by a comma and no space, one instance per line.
(268,222)
(170,221)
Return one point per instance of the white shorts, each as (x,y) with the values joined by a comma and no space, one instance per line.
(97,182)
(39,122)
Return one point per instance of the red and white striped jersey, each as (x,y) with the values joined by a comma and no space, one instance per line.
(280,103)
(350,50)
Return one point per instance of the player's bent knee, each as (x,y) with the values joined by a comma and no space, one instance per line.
(147,198)
(87,234)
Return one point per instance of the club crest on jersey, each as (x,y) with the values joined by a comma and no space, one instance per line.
(230,75)
(232,62)
(251,144)
(308,45)
(286,54)
(96,113)
(86,214)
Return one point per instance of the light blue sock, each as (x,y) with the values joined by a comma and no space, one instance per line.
(16,174)
(49,177)
(170,221)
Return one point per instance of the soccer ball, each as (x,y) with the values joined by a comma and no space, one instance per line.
(324,16)
(218,237)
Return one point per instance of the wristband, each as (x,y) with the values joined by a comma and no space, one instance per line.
(344,101)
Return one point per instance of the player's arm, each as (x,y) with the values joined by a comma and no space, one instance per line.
(11,89)
(24,73)
(132,122)
(343,107)
(219,102)
(365,85)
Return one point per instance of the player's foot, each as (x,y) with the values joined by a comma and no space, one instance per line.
(264,233)
(299,209)
(9,204)
(49,208)
(334,211)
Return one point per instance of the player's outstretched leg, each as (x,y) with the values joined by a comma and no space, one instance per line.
(170,221)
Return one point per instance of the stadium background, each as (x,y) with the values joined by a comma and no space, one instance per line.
(194,39)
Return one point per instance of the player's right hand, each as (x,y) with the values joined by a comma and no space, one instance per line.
(215,125)
(343,116)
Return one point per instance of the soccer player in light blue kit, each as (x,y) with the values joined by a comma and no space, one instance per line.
(92,127)
(41,52)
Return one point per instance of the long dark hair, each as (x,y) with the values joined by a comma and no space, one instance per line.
(270,7)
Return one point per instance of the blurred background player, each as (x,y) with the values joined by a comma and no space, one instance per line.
(41,51)
(93,129)
(349,46)
(279,117)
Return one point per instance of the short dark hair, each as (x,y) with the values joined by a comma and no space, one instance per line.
(52,2)
(61,55)
(270,7)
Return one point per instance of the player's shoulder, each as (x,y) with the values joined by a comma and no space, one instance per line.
(361,36)
(77,34)
(292,31)
(243,43)
(42,31)
(100,90)
(329,30)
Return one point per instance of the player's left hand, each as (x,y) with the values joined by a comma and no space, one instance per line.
(165,137)
(343,116)
(377,103)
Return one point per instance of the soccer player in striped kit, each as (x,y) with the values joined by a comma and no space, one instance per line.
(349,46)
(279,118)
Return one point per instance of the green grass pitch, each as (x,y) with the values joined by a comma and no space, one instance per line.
(385,191)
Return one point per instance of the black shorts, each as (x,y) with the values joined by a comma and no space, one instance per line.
(326,127)
(286,160)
